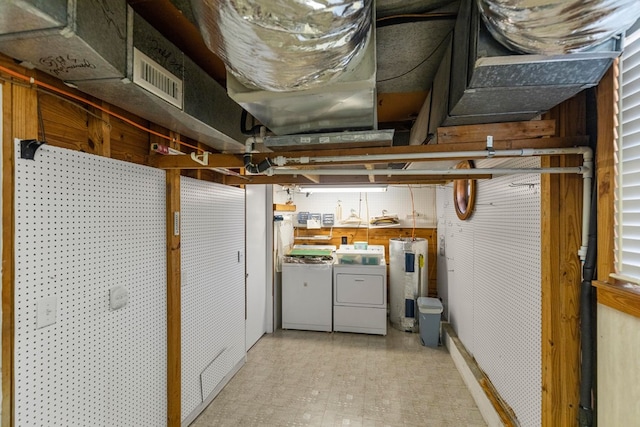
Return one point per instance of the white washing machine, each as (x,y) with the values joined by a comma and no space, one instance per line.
(306,291)
(360,292)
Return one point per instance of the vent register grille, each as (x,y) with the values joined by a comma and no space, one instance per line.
(151,76)
(102,50)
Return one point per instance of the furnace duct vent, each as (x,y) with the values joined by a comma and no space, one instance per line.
(150,75)
(103,46)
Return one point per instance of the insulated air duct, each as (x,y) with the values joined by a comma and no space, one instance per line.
(481,81)
(557,26)
(298,66)
(285,45)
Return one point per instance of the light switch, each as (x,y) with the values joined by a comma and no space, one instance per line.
(46,314)
(118,297)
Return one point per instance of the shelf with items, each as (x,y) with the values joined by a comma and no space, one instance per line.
(298,237)
(278,207)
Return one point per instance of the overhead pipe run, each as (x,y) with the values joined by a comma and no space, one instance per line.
(389,172)
(489,153)
(586,170)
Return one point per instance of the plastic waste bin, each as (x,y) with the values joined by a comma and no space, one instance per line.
(429,310)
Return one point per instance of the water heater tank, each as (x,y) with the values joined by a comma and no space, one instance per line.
(407,280)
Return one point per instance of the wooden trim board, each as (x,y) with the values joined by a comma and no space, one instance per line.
(493,409)
(619,297)
(174,348)
(606,93)
(19,121)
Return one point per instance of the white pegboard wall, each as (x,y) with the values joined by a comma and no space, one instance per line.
(499,269)
(507,303)
(213,286)
(84,224)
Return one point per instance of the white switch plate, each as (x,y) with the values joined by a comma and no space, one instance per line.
(118,297)
(46,315)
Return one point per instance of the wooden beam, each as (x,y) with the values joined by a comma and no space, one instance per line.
(20,120)
(174,348)
(607,102)
(561,215)
(499,131)
(552,142)
(185,162)
(313,178)
(235,161)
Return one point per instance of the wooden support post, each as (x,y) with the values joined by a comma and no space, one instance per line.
(20,120)
(607,99)
(174,359)
(561,220)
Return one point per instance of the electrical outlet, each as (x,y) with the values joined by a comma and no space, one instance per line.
(46,314)
(118,297)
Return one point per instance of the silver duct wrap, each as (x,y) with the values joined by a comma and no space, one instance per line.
(285,45)
(557,26)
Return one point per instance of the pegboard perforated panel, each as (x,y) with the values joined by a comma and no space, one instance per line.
(213,287)
(84,224)
(497,254)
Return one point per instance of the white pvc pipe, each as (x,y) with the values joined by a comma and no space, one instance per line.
(586,202)
(523,152)
(249,143)
(586,170)
(475,171)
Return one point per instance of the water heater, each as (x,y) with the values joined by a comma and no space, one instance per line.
(408,280)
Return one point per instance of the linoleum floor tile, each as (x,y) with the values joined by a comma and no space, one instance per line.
(302,378)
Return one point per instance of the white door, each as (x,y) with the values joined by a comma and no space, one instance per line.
(258,214)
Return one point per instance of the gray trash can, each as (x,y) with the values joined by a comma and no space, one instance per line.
(429,310)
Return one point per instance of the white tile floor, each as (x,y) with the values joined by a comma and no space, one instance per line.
(299,378)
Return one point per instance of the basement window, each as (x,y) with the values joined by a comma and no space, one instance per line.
(628,161)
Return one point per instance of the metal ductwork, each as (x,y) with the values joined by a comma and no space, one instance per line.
(481,81)
(285,45)
(552,27)
(110,52)
(298,66)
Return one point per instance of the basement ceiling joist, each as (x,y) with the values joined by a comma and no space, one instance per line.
(235,161)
